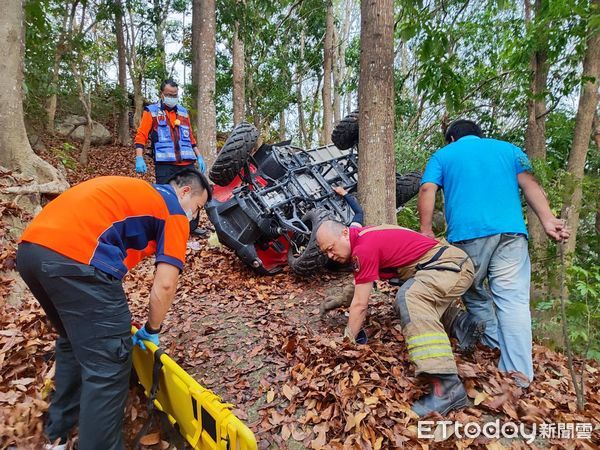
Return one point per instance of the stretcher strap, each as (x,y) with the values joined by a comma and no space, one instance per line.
(150,403)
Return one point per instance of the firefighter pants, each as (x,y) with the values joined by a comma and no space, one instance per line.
(425,302)
(89,310)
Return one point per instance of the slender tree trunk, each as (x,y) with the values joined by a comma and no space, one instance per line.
(299,96)
(123,120)
(586,111)
(239,76)
(207,124)
(312,124)
(327,73)
(376,120)
(535,133)
(159,30)
(15,152)
(196,20)
(52,101)
(337,103)
(282,129)
(138,99)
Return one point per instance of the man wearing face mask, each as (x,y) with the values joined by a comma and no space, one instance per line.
(73,256)
(167,125)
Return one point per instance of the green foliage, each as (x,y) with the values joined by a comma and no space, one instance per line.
(66,155)
(583,312)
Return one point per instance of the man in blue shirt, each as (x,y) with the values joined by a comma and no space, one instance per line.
(480,179)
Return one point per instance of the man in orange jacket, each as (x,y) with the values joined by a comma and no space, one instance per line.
(72,257)
(167,126)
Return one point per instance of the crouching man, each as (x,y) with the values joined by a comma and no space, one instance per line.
(436,275)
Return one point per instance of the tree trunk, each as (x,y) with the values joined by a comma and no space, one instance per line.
(376,120)
(239,76)
(282,129)
(159,27)
(535,133)
(327,72)
(123,120)
(15,152)
(207,124)
(313,112)
(52,101)
(337,102)
(299,96)
(586,111)
(196,20)
(138,99)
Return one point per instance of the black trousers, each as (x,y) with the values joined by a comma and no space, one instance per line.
(89,310)
(165,171)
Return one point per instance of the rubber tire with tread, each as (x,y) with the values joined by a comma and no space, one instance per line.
(345,133)
(234,154)
(407,186)
(312,258)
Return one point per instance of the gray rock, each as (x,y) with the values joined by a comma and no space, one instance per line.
(100,135)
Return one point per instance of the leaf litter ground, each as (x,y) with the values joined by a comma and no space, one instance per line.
(259,343)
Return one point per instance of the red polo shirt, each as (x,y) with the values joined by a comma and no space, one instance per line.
(375,249)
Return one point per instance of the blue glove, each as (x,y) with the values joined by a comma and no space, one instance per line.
(201,164)
(143,335)
(140,164)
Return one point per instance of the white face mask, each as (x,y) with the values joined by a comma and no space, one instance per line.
(171,102)
(189,214)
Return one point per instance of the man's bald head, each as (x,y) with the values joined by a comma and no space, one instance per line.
(334,240)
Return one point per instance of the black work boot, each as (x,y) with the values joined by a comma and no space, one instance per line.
(447,393)
(468,330)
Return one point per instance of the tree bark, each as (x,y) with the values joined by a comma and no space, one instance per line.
(327,126)
(123,119)
(207,124)
(586,111)
(337,102)
(535,133)
(299,96)
(15,151)
(282,128)
(239,94)
(161,12)
(196,20)
(376,120)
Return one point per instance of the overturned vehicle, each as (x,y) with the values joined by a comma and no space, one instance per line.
(268,200)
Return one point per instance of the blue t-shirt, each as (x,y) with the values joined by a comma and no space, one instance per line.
(481,191)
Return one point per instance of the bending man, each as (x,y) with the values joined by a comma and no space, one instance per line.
(436,275)
(73,257)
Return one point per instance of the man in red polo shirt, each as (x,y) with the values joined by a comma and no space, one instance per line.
(72,257)
(435,276)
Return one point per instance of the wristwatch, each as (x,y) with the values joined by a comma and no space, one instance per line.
(151,330)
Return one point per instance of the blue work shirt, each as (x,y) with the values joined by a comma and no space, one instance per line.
(481,191)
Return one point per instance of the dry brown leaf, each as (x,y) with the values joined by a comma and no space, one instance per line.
(270,395)
(150,439)
(355,377)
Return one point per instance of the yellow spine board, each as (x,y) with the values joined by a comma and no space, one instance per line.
(201,416)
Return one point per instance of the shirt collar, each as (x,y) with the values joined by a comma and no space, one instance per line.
(468,137)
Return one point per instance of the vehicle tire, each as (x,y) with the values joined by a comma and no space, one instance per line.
(311,260)
(407,186)
(345,133)
(234,154)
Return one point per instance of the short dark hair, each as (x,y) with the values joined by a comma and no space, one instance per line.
(460,128)
(170,82)
(196,180)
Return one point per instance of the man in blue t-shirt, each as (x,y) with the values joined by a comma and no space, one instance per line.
(480,179)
